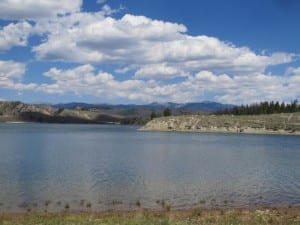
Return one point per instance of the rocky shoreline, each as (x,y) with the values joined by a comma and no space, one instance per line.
(284,124)
(286,216)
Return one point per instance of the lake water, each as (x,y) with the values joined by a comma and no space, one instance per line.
(114,167)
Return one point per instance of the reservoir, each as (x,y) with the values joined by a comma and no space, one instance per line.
(115,167)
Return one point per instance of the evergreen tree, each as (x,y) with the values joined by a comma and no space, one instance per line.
(282,107)
(294,106)
(167,112)
(153,115)
(263,108)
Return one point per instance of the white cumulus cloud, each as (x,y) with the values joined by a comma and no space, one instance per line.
(11,70)
(138,41)
(33,9)
(159,71)
(86,80)
(11,74)
(14,34)
(150,52)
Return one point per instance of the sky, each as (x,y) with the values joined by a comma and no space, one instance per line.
(142,51)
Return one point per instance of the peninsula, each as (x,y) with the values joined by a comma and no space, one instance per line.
(283,123)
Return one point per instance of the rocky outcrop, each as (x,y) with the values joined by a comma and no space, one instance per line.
(285,123)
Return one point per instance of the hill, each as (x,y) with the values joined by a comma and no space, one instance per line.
(284,123)
(96,113)
(18,111)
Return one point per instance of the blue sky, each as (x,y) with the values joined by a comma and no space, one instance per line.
(149,51)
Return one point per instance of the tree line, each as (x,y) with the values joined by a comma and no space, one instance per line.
(166,112)
(263,108)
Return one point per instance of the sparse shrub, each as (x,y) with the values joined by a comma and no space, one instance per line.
(168,207)
(67,206)
(197,212)
(88,205)
(116,202)
(202,202)
(138,203)
(222,212)
(47,203)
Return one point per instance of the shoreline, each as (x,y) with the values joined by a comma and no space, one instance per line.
(62,123)
(165,209)
(259,215)
(221,131)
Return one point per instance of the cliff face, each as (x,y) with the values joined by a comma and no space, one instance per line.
(275,123)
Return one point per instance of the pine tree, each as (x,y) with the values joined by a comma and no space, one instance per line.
(167,112)
(264,108)
(153,115)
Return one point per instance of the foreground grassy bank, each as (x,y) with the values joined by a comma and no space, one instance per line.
(287,216)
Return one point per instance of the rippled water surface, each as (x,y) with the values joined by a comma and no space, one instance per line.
(114,167)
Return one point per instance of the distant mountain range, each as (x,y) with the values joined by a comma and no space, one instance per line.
(205,106)
(11,111)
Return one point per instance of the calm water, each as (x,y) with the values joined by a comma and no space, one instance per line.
(114,166)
